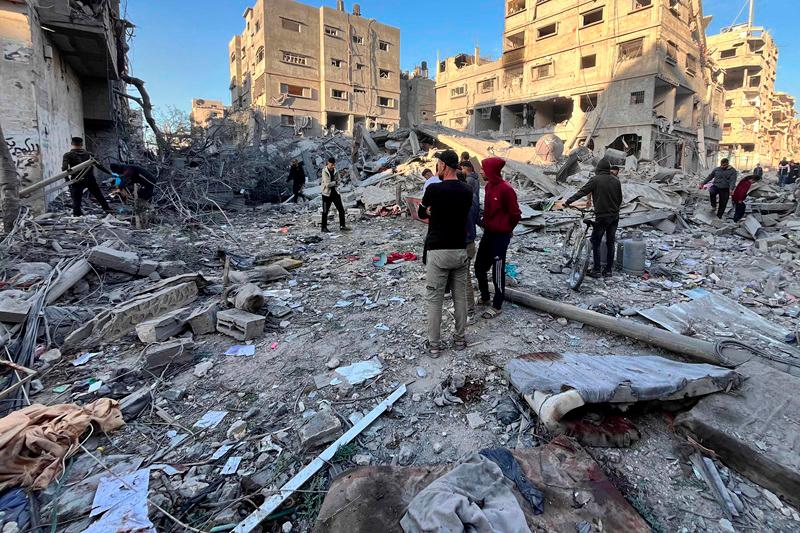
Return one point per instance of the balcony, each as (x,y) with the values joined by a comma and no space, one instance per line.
(83,35)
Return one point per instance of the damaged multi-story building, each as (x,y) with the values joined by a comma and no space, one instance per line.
(205,111)
(749,57)
(417,97)
(311,69)
(785,128)
(625,74)
(60,74)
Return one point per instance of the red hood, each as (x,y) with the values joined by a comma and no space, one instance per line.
(491,169)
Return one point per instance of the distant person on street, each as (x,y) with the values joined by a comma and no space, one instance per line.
(784,168)
(794,172)
(138,183)
(758,171)
(606,191)
(297,176)
(472,180)
(330,195)
(430,178)
(501,214)
(740,195)
(446,205)
(83,180)
(724,180)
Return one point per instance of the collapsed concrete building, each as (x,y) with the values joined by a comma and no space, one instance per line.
(628,74)
(313,69)
(417,97)
(785,127)
(749,57)
(60,75)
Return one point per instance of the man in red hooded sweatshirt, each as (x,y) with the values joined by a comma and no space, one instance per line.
(501,214)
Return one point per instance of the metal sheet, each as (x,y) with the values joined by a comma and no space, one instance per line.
(616,378)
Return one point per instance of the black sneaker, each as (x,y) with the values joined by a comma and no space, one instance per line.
(594,274)
(608,274)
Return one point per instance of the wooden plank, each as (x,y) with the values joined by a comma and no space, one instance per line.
(274,501)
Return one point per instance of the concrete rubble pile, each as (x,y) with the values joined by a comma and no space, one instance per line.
(251,356)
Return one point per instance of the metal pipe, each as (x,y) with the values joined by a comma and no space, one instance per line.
(695,349)
(42,184)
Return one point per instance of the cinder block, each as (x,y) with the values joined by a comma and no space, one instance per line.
(163,327)
(204,320)
(147,267)
(14,311)
(177,352)
(240,325)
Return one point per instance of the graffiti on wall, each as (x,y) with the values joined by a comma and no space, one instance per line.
(17,52)
(26,154)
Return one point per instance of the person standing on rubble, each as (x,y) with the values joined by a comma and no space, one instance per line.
(501,214)
(447,206)
(330,195)
(430,178)
(84,180)
(740,195)
(783,172)
(139,183)
(472,180)
(724,179)
(297,176)
(606,191)
(758,171)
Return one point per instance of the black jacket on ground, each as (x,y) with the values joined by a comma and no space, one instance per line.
(606,191)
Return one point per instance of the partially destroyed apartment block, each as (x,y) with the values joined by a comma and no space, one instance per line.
(60,76)
(311,69)
(749,57)
(785,127)
(625,74)
(205,112)
(417,97)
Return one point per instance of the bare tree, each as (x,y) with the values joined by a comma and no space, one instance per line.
(9,185)
(147,107)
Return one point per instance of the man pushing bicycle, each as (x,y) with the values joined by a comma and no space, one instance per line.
(606,191)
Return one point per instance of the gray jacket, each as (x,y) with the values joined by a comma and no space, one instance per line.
(475,210)
(330,181)
(723,178)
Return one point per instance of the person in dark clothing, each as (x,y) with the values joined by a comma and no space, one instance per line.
(139,183)
(330,195)
(471,179)
(447,205)
(297,176)
(83,180)
(784,169)
(724,179)
(740,195)
(606,191)
(758,171)
(501,214)
(794,172)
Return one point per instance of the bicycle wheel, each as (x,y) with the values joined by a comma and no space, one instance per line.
(580,265)
(566,246)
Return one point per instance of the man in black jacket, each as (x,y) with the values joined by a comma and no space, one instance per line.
(297,176)
(724,181)
(83,180)
(138,182)
(606,191)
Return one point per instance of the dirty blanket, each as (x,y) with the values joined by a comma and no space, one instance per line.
(451,503)
(34,441)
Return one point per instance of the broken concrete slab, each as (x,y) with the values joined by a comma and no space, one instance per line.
(755,430)
(249,297)
(163,327)
(380,495)
(107,257)
(14,307)
(752,226)
(204,320)
(176,352)
(264,273)
(322,428)
(240,325)
(638,219)
(557,383)
(170,269)
(147,267)
(122,319)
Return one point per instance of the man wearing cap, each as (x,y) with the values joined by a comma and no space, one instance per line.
(447,206)
(606,191)
(501,214)
(84,179)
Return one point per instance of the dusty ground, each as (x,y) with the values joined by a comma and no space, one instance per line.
(275,389)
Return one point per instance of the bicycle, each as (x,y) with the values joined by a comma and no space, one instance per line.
(579,252)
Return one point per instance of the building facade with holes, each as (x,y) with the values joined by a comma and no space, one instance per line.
(310,69)
(625,74)
(757,123)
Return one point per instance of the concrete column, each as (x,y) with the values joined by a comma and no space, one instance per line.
(506,120)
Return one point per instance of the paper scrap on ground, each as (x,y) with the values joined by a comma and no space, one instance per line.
(123,503)
(231,466)
(241,350)
(210,419)
(83,359)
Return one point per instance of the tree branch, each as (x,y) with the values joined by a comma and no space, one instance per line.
(147,108)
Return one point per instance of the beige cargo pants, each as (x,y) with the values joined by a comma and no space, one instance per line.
(445,266)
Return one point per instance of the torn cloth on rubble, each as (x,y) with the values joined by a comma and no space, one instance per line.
(34,441)
(511,469)
(475,496)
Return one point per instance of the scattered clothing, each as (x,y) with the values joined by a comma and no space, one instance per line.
(511,469)
(475,496)
(394,257)
(35,441)
(606,191)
